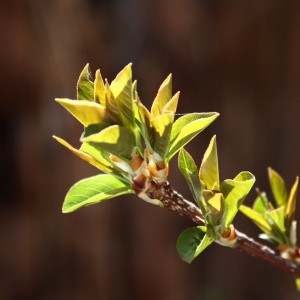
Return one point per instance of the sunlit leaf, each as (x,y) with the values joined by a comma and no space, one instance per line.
(94,190)
(257,218)
(189,170)
(163,96)
(111,104)
(293,233)
(215,205)
(86,112)
(95,161)
(121,88)
(186,128)
(99,89)
(277,217)
(291,204)
(261,203)
(115,139)
(171,106)
(209,170)
(191,242)
(278,187)
(234,191)
(85,86)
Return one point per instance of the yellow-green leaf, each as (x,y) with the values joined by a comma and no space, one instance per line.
(209,170)
(278,187)
(85,87)
(291,204)
(99,89)
(171,106)
(276,217)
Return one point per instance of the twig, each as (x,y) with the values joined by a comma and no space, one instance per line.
(175,202)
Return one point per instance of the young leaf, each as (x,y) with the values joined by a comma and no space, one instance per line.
(189,170)
(209,170)
(278,187)
(87,156)
(99,89)
(291,204)
(85,87)
(115,139)
(261,203)
(163,97)
(86,112)
(121,88)
(186,128)
(215,205)
(257,218)
(191,242)
(95,189)
(277,218)
(171,106)
(234,191)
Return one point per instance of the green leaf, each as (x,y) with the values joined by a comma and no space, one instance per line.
(121,88)
(297,281)
(257,218)
(85,87)
(261,203)
(189,170)
(171,106)
(234,191)
(186,128)
(111,104)
(162,126)
(163,97)
(191,242)
(293,233)
(215,205)
(115,139)
(94,190)
(88,156)
(291,204)
(86,112)
(99,89)
(276,217)
(209,170)
(278,187)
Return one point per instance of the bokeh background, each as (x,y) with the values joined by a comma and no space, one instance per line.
(240,58)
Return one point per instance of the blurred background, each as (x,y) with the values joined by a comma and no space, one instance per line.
(239,58)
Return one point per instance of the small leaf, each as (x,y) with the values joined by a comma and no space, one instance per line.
(276,217)
(209,170)
(293,233)
(86,112)
(115,139)
(163,97)
(191,242)
(189,170)
(278,187)
(111,104)
(121,88)
(99,89)
(95,189)
(215,205)
(291,204)
(186,128)
(257,218)
(85,87)
(171,106)
(261,203)
(100,164)
(234,191)
(297,281)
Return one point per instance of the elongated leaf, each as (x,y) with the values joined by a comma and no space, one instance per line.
(163,97)
(257,218)
(277,217)
(115,139)
(215,206)
(121,88)
(186,128)
(291,204)
(234,191)
(209,170)
(86,112)
(111,104)
(85,87)
(171,106)
(95,161)
(189,170)
(99,89)
(191,242)
(261,203)
(94,190)
(278,187)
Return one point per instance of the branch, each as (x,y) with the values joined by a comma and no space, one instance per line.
(175,202)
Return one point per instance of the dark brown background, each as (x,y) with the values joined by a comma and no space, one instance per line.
(240,58)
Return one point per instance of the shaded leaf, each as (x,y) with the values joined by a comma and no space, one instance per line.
(86,112)
(96,162)
(186,128)
(85,87)
(234,191)
(115,139)
(94,190)
(189,170)
(191,242)
(99,89)
(209,170)
(278,187)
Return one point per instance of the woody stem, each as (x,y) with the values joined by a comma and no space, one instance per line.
(175,202)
